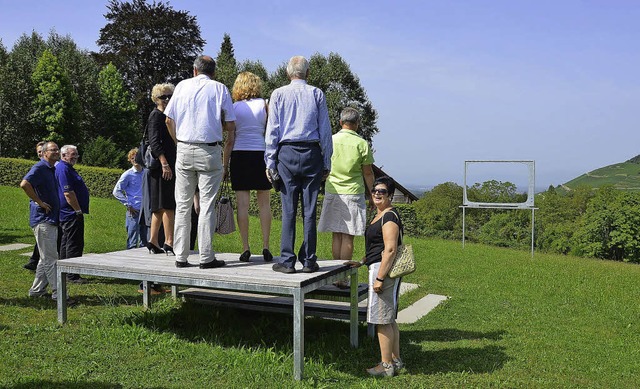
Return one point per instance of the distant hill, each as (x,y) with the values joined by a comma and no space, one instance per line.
(624,176)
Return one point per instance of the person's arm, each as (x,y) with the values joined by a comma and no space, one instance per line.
(31,193)
(230,129)
(156,127)
(390,233)
(72,199)
(171,127)
(119,192)
(367,173)
(324,130)
(271,136)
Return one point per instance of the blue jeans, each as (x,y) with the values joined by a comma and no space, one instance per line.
(136,231)
(301,170)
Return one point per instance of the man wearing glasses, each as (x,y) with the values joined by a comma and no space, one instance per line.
(41,186)
(199,110)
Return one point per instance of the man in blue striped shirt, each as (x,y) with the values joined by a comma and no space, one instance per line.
(298,146)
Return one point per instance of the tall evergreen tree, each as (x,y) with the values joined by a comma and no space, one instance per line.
(149,44)
(118,118)
(55,104)
(226,65)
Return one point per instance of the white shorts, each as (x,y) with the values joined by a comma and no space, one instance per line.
(382,307)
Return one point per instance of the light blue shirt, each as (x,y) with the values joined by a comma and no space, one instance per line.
(298,113)
(128,189)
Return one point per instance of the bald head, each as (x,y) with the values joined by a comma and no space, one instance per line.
(205,65)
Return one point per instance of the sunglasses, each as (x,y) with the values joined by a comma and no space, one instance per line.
(381,191)
(164,97)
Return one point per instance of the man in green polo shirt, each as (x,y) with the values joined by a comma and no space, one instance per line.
(344,209)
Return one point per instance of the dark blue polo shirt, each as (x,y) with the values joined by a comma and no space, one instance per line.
(70,181)
(42,178)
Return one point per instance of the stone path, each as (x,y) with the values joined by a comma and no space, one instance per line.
(420,308)
(14,246)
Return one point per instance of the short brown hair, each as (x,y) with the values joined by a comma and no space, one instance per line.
(247,86)
(132,152)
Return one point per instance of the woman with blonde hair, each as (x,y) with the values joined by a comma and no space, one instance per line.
(161,179)
(247,159)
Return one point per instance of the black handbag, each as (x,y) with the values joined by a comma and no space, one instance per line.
(144,157)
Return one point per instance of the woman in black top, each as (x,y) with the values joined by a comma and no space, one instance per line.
(161,179)
(382,238)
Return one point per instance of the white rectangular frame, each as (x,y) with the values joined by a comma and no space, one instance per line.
(531,165)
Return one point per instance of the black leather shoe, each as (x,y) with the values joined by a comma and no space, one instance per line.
(246,256)
(266,254)
(31,265)
(283,269)
(213,264)
(182,264)
(311,269)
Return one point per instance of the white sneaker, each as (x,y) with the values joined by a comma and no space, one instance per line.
(382,369)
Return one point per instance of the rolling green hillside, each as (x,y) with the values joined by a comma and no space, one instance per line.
(624,176)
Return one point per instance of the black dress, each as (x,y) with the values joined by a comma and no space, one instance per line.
(161,191)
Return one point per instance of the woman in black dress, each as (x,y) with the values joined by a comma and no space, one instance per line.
(161,179)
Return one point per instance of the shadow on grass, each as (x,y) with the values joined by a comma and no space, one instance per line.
(46,302)
(325,340)
(65,385)
(12,236)
(474,359)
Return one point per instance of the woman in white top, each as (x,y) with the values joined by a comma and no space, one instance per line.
(247,159)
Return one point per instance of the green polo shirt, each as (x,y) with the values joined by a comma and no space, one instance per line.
(350,153)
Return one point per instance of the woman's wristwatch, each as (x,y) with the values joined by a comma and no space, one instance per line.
(378,279)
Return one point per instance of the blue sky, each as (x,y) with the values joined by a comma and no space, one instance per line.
(557,82)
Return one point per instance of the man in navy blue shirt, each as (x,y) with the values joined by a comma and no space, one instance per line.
(41,186)
(35,257)
(74,203)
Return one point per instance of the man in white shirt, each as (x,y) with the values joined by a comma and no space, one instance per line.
(195,116)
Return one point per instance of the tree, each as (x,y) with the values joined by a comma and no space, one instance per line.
(17,135)
(149,44)
(82,71)
(55,104)
(226,65)
(341,88)
(118,118)
(103,152)
(438,211)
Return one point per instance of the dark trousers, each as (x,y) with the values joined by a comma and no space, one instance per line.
(300,167)
(72,239)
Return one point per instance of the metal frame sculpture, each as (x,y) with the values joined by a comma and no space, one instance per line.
(528,204)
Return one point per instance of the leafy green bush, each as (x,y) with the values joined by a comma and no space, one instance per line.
(104,152)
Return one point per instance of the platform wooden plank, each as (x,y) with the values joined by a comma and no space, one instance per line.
(271,303)
(139,262)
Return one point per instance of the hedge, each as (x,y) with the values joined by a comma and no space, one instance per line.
(101,181)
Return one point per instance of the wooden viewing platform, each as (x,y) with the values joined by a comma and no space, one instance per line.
(255,276)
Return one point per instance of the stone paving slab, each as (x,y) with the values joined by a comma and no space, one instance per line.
(420,308)
(14,246)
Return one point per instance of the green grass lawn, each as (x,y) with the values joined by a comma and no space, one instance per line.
(511,321)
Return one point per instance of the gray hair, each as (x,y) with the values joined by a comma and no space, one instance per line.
(350,115)
(205,65)
(297,67)
(65,148)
